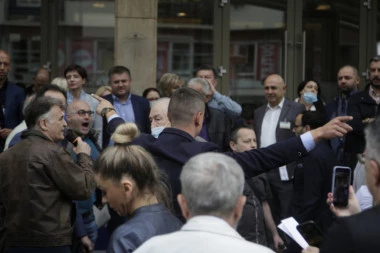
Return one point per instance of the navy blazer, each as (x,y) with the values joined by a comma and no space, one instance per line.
(174,148)
(14,103)
(141,109)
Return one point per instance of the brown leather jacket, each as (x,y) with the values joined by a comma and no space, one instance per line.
(38,182)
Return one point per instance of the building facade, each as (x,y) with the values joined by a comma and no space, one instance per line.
(244,39)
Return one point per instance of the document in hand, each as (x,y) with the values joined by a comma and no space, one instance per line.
(289,226)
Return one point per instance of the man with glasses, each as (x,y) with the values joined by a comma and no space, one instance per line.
(312,178)
(79,116)
(363,106)
(11,100)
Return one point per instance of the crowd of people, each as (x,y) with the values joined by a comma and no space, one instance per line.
(182,168)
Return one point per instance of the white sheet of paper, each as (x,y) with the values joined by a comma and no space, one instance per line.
(290,225)
(284,173)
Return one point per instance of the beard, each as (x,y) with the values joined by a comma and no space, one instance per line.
(375,82)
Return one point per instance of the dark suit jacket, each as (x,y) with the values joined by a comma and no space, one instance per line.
(355,234)
(312,182)
(141,109)
(289,112)
(360,106)
(174,148)
(218,127)
(14,103)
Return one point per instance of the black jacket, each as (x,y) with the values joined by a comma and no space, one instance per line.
(361,106)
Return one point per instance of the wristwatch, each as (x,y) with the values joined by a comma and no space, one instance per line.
(106,110)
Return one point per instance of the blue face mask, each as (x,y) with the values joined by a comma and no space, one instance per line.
(156,131)
(309,97)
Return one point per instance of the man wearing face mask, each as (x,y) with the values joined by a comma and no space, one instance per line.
(158,116)
(363,106)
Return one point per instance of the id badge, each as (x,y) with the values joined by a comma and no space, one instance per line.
(285,125)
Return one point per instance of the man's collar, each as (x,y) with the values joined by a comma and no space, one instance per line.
(118,100)
(280,105)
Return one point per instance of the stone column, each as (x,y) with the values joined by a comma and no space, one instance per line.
(136,40)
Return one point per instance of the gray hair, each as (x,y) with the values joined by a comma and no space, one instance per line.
(202,82)
(212,184)
(40,108)
(164,101)
(372,135)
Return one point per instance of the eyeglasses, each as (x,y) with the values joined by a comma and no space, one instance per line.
(83,113)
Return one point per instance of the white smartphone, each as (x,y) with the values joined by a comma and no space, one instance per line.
(340,183)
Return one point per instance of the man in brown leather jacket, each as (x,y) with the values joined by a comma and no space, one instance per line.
(39,180)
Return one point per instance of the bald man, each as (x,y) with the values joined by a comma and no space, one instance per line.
(273,122)
(11,100)
(41,79)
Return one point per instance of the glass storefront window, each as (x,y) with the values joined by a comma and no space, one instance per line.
(332,40)
(86,38)
(256,47)
(184,37)
(20,37)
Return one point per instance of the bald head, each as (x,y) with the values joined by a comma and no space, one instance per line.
(42,78)
(79,117)
(5,66)
(348,79)
(158,115)
(275,88)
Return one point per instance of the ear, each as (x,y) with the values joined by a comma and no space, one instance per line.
(239,208)
(308,128)
(182,203)
(42,124)
(198,118)
(127,186)
(232,146)
(285,86)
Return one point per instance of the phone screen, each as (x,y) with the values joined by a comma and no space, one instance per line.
(341,182)
(312,234)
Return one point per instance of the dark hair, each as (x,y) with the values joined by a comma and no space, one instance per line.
(38,107)
(118,70)
(206,67)
(234,133)
(50,87)
(374,59)
(248,112)
(302,85)
(184,104)
(148,90)
(74,67)
(314,119)
(125,159)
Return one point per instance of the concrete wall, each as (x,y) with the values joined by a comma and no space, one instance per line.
(136,40)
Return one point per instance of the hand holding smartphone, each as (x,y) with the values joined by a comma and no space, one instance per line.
(340,185)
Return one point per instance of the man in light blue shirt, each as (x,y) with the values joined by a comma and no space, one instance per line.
(218,101)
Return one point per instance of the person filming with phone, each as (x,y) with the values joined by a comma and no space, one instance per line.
(355,231)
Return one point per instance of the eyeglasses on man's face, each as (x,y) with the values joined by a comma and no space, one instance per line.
(83,113)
